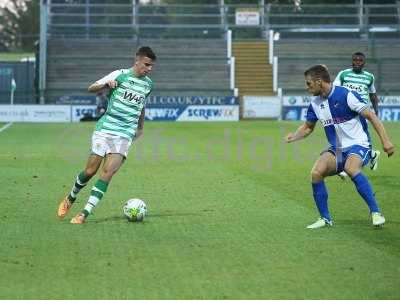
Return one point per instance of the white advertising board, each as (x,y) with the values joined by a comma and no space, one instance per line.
(247,17)
(35,113)
(261,107)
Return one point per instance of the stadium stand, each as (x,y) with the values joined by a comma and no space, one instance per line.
(295,55)
(189,66)
(87,41)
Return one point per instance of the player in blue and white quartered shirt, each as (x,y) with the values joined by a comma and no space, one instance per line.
(343,115)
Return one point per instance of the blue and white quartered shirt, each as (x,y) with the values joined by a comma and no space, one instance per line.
(340,117)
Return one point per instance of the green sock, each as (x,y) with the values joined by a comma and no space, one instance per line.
(97,192)
(80,182)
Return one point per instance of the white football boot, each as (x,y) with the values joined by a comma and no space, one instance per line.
(320,223)
(377,219)
(343,175)
(374,160)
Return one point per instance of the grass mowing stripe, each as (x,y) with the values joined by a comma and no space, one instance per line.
(228,204)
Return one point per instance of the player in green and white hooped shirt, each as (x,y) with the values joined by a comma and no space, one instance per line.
(362,82)
(122,122)
(359,80)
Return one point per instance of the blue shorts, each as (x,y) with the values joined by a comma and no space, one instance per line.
(342,154)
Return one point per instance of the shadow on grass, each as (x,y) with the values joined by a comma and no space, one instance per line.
(386,238)
(354,222)
(150,216)
(180,214)
(108,219)
(364,223)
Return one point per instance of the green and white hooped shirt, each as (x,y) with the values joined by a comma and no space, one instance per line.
(125,103)
(362,83)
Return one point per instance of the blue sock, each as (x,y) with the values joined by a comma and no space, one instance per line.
(365,190)
(321,199)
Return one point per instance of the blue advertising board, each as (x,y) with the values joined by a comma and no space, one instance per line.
(298,113)
(191,100)
(178,108)
(192,108)
(295,108)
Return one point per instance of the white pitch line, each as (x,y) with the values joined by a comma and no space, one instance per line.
(6,126)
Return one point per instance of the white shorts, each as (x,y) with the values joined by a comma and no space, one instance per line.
(105,143)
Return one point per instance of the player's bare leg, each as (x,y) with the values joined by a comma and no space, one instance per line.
(92,165)
(323,167)
(111,165)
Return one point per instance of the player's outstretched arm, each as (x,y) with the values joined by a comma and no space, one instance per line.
(387,145)
(303,131)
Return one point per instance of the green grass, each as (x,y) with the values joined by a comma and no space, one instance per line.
(228,207)
(15,56)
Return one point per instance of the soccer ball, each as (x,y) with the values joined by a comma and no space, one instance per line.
(135,210)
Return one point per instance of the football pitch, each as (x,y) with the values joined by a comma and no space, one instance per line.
(228,205)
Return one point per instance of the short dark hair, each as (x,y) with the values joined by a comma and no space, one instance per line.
(146,51)
(358,54)
(318,72)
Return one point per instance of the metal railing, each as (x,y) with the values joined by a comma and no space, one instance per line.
(88,19)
